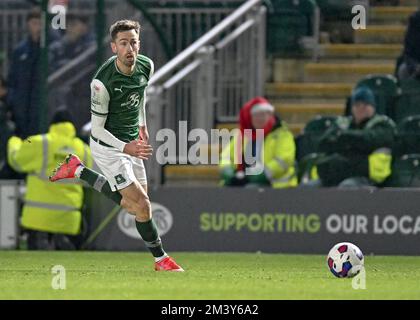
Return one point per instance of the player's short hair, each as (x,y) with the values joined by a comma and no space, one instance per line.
(34,13)
(123,25)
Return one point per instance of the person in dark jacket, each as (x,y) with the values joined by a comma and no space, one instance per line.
(23,80)
(76,40)
(357,148)
(6,131)
(410,61)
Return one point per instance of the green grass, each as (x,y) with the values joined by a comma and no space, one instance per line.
(111,275)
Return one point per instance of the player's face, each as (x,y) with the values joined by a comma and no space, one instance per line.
(126,47)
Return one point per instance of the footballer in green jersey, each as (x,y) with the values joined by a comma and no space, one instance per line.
(119,136)
(123,100)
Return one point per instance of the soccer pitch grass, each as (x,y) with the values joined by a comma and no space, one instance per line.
(112,275)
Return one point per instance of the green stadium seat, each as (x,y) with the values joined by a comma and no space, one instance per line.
(385,89)
(335,9)
(193,4)
(319,125)
(405,172)
(290,21)
(408,103)
(307,142)
(306,165)
(408,139)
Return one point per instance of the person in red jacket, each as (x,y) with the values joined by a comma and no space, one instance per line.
(274,155)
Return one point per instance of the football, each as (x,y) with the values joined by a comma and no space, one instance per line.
(345,260)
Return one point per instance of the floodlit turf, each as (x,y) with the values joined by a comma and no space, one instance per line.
(110,275)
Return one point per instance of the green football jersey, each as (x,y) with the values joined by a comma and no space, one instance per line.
(120,97)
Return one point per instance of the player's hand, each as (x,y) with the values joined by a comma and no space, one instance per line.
(139,149)
(144,134)
(146,150)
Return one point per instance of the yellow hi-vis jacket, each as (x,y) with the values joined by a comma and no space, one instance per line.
(49,207)
(279,157)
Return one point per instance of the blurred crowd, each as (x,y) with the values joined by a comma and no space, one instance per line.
(51,213)
(20,92)
(20,98)
(355,151)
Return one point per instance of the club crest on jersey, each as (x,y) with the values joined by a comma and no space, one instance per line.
(119,179)
(133,101)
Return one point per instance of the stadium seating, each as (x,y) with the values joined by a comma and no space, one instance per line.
(191,175)
(307,144)
(385,89)
(308,141)
(306,166)
(295,128)
(408,136)
(334,9)
(292,20)
(194,4)
(405,172)
(398,15)
(319,125)
(408,103)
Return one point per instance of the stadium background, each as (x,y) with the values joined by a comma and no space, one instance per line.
(211,57)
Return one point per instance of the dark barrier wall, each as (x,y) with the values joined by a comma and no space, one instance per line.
(289,221)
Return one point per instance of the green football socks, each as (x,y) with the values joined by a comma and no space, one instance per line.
(150,236)
(147,230)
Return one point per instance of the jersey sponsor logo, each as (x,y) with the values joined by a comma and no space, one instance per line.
(161,216)
(133,101)
(120,179)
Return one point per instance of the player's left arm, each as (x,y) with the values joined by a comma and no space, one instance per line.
(144,133)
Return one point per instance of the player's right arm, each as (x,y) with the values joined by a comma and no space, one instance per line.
(99,108)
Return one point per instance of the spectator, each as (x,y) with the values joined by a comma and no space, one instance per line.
(409,66)
(75,41)
(6,130)
(23,81)
(358,147)
(275,154)
(51,211)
